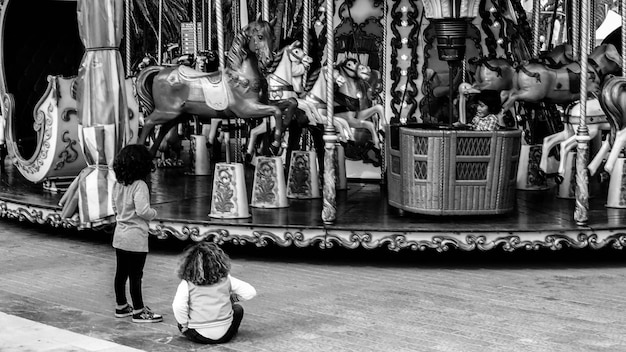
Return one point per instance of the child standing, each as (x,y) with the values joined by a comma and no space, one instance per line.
(204,304)
(131,202)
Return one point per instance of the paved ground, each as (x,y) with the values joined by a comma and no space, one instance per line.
(56,294)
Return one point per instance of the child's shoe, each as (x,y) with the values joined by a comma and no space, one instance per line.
(146,316)
(127,311)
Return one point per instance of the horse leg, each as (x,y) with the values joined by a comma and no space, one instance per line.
(566,147)
(254,134)
(594,165)
(165,128)
(215,123)
(552,141)
(370,127)
(616,150)
(147,128)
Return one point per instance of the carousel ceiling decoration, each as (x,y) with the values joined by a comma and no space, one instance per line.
(437,9)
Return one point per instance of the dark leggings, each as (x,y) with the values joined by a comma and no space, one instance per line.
(129,267)
(194,336)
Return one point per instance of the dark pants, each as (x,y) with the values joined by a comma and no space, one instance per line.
(129,267)
(194,336)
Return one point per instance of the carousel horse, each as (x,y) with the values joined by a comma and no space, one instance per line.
(172,94)
(604,61)
(284,85)
(613,101)
(348,100)
(316,96)
(535,82)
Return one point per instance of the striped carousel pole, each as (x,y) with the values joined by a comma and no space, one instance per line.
(266,10)
(574,4)
(209,26)
(383,162)
(306,27)
(127,34)
(159,39)
(581,213)
(623,12)
(329,207)
(194,22)
(536,19)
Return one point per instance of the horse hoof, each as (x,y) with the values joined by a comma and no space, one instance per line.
(248,158)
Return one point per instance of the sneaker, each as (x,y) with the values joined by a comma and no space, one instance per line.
(124,312)
(146,316)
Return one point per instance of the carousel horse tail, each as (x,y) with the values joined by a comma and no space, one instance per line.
(144,88)
(610,102)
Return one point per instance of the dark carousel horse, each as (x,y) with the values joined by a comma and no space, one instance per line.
(172,94)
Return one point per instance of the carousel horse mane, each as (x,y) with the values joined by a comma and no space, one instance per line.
(239,50)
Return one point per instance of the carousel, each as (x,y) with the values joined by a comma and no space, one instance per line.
(352,123)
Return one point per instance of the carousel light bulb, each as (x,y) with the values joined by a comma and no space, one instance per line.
(500,41)
(404,23)
(404,9)
(404,104)
(404,57)
(496,24)
(492,9)
(403,72)
(404,40)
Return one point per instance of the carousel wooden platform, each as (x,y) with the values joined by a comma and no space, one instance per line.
(364,218)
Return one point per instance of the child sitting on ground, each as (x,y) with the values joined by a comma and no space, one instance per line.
(204,305)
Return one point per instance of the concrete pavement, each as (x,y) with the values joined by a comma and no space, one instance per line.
(56,294)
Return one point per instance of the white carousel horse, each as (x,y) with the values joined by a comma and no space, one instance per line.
(285,82)
(316,96)
(614,105)
(596,123)
(348,100)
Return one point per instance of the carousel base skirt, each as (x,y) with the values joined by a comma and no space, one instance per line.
(364,219)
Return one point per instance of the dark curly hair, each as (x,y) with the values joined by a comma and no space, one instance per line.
(132,163)
(204,263)
(491,98)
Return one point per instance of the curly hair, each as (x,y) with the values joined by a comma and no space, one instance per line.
(204,263)
(132,163)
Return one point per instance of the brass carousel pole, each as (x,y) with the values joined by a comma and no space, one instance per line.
(329,208)
(581,213)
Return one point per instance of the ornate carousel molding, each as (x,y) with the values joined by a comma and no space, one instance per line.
(328,237)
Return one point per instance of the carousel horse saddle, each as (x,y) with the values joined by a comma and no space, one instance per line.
(568,79)
(188,74)
(215,91)
(346,103)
